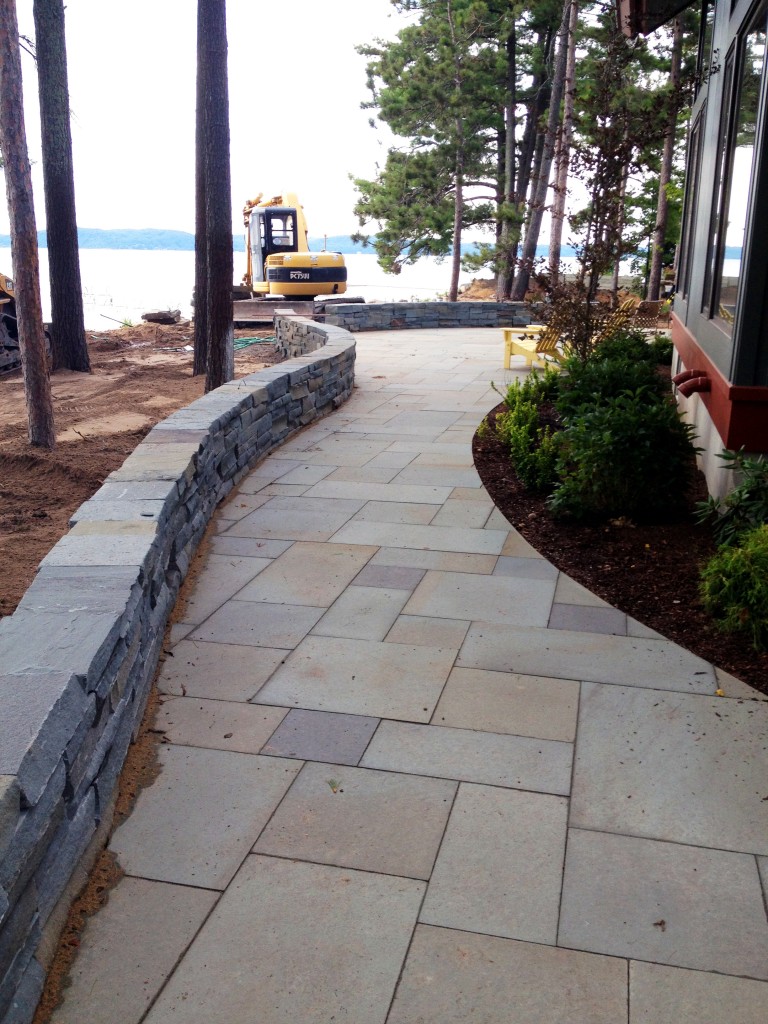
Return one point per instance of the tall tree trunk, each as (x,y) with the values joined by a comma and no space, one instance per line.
(508,226)
(26,268)
(665,171)
(218,193)
(539,196)
(69,346)
(621,219)
(532,144)
(458,218)
(563,153)
(201,312)
(458,192)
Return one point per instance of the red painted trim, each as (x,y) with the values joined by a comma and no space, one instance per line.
(739,413)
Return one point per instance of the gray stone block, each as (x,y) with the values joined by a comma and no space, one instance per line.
(10,810)
(68,846)
(125,510)
(82,592)
(40,714)
(16,930)
(31,837)
(20,993)
(64,642)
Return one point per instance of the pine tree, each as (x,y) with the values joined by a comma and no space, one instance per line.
(68,334)
(215,290)
(26,268)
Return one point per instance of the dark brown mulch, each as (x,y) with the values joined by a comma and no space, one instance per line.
(648,571)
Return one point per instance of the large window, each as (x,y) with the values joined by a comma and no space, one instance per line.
(743,88)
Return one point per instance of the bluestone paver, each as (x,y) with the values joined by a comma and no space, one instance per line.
(455,977)
(567,654)
(219,724)
(129,948)
(385,822)
(430,538)
(397,512)
(361,677)
(683,906)
(362,613)
(429,632)
(525,568)
(284,519)
(416,494)
(490,758)
(225,575)
(508,703)
(322,736)
(500,599)
(196,823)
(672,995)
(499,869)
(296,942)
(588,619)
(391,577)
(449,561)
(308,573)
(197,668)
(259,547)
(629,739)
(259,624)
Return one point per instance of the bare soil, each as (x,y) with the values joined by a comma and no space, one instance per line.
(650,571)
(140,375)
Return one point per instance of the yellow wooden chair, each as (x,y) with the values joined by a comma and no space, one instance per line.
(537,343)
(618,318)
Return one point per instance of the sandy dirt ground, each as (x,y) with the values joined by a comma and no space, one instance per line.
(139,376)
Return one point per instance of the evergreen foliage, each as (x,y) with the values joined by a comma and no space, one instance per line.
(734,586)
(473,90)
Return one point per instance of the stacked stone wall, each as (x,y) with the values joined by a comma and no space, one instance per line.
(78,656)
(388,316)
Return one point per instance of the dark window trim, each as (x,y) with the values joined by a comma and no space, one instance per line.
(749,362)
(715,236)
(690,209)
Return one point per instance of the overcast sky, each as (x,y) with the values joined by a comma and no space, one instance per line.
(295,86)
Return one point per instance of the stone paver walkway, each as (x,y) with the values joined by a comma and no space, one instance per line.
(417,776)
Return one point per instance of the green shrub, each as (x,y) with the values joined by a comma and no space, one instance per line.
(631,455)
(622,362)
(532,448)
(734,586)
(599,380)
(537,387)
(625,344)
(746,506)
(661,349)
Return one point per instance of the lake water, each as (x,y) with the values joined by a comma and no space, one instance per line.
(121,284)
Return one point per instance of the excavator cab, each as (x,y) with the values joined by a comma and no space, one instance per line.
(274,232)
(277,253)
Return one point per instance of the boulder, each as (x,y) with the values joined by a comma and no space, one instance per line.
(162,316)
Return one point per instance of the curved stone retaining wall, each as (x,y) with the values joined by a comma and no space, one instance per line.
(388,316)
(78,656)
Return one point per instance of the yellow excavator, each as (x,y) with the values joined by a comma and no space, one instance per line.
(278,260)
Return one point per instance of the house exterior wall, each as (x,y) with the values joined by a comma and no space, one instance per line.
(720,322)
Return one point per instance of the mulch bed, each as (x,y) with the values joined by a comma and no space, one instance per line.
(648,571)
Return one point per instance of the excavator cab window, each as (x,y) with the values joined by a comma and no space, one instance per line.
(282,231)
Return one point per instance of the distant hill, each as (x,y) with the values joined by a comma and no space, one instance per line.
(162,238)
(184,241)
